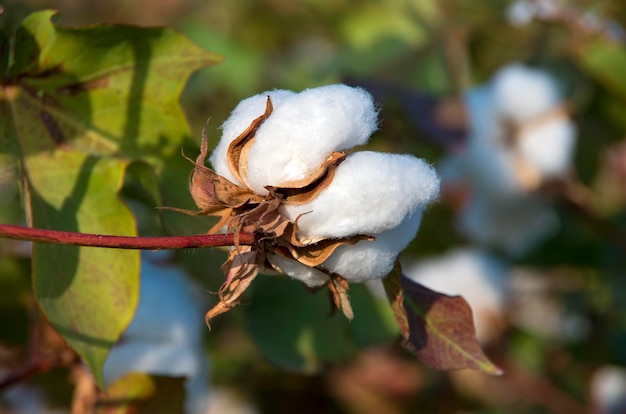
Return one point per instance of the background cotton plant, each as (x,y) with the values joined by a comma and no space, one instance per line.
(519,138)
(335,216)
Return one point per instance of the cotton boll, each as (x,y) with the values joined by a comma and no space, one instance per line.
(522,93)
(310,276)
(370,193)
(521,12)
(608,390)
(485,162)
(369,260)
(548,147)
(244,113)
(477,276)
(515,225)
(299,135)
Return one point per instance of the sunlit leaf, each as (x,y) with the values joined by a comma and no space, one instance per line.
(77,107)
(143,394)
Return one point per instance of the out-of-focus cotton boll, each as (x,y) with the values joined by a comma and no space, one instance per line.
(244,113)
(474,274)
(370,193)
(369,260)
(302,131)
(309,275)
(514,224)
(549,147)
(522,93)
(521,12)
(165,336)
(608,390)
(485,163)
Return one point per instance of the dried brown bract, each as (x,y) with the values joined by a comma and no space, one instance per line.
(242,210)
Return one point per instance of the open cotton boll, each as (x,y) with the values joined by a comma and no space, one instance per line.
(549,147)
(369,260)
(300,134)
(474,274)
(485,161)
(608,389)
(296,270)
(522,93)
(370,193)
(239,120)
(515,224)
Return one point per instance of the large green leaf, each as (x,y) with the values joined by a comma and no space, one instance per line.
(77,107)
(293,328)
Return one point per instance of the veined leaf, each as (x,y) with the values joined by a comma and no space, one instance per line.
(437,328)
(77,107)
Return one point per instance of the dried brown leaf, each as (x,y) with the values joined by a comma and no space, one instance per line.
(241,269)
(305,190)
(240,146)
(338,287)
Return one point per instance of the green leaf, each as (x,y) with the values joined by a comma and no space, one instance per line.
(79,107)
(293,326)
(437,328)
(606,61)
(144,394)
(4,54)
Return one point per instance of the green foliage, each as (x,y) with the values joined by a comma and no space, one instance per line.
(79,106)
(305,338)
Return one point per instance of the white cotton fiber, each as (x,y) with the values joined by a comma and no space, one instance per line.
(310,276)
(369,260)
(370,193)
(472,273)
(549,147)
(522,93)
(485,162)
(165,335)
(239,120)
(300,134)
(608,389)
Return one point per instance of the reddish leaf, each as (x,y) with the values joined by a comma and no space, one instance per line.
(438,328)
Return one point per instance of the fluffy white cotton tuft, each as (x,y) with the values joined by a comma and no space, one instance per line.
(549,147)
(608,389)
(370,193)
(522,93)
(310,276)
(302,131)
(244,113)
(165,336)
(474,274)
(369,260)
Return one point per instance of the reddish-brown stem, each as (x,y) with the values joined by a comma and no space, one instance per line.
(125,242)
(34,367)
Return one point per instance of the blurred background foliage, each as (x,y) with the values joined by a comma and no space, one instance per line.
(280,352)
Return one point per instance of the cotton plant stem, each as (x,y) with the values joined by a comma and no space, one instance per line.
(125,242)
